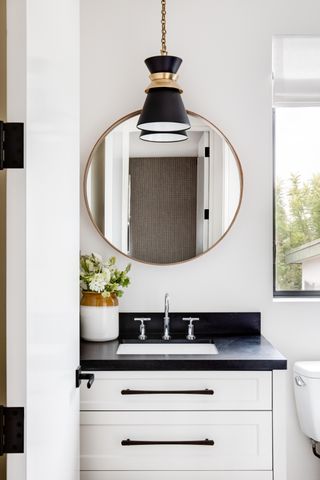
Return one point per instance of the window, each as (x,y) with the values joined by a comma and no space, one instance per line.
(296,104)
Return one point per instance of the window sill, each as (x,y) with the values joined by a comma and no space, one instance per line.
(296,299)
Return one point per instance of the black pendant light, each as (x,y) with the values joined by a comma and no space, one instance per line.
(163,110)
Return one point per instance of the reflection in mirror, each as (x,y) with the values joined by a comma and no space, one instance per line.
(163,203)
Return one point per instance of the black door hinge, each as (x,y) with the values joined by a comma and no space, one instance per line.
(11,429)
(11,145)
(207,152)
(206,213)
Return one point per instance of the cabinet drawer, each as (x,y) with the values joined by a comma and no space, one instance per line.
(242,441)
(176,475)
(192,391)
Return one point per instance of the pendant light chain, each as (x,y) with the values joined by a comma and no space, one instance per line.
(163,50)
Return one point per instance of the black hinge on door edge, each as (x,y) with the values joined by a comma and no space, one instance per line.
(207,152)
(206,214)
(11,429)
(11,145)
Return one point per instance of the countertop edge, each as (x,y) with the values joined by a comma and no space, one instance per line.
(183,365)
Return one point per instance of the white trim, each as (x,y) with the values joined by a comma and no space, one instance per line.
(279,425)
(108,182)
(16,228)
(296,299)
(125,192)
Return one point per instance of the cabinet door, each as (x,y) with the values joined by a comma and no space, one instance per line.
(176,475)
(178,391)
(239,441)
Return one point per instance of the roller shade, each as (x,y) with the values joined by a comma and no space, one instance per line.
(296,70)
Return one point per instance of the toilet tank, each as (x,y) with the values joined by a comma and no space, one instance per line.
(307,395)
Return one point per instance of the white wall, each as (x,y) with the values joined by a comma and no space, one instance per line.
(226,76)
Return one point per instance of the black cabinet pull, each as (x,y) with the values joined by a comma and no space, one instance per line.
(167,392)
(133,443)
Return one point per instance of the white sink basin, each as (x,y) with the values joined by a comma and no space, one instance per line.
(167,349)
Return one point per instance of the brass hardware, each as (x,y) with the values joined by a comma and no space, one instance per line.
(163,49)
(163,75)
(163,79)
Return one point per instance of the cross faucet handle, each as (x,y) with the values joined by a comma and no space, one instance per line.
(191,335)
(142,335)
(191,319)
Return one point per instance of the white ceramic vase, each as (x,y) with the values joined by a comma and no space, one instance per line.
(99,317)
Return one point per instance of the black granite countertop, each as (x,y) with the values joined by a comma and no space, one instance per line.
(236,351)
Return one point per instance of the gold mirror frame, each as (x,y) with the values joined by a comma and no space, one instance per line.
(89,161)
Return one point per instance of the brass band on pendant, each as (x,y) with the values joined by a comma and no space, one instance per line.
(163,80)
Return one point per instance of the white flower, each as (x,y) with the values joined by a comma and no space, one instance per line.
(107,274)
(98,282)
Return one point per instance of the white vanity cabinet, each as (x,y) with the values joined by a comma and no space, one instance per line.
(219,425)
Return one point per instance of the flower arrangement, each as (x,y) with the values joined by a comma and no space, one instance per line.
(101,275)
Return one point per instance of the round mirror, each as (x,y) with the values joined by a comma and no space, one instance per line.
(163,203)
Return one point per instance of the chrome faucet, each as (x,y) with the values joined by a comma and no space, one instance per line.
(166,318)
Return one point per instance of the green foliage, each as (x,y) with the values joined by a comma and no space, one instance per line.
(297,222)
(119,279)
(102,276)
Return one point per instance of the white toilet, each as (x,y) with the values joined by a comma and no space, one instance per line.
(307,394)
